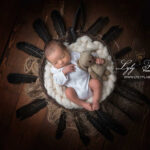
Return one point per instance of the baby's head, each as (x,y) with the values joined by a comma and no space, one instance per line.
(57,54)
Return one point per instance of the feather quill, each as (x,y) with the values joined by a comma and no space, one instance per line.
(112,34)
(30,109)
(42,30)
(111,123)
(58,23)
(17,78)
(98,25)
(100,127)
(30,49)
(61,125)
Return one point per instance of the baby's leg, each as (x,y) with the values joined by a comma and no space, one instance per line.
(95,86)
(71,95)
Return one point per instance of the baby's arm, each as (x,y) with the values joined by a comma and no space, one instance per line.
(61,76)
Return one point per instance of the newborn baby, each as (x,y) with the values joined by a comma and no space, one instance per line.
(79,86)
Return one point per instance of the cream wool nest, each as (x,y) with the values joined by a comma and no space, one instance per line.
(83,43)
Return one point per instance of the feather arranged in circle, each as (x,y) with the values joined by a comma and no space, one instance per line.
(58,23)
(81,130)
(78,23)
(131,93)
(129,115)
(42,30)
(100,126)
(98,25)
(111,123)
(61,125)
(30,49)
(79,18)
(123,52)
(82,17)
(30,109)
(17,78)
(120,91)
(112,34)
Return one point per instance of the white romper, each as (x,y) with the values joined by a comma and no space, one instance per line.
(78,80)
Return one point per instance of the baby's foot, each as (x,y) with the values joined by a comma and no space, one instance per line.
(95,105)
(87,106)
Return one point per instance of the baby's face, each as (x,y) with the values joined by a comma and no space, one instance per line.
(59,58)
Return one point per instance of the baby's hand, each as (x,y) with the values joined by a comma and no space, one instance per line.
(100,61)
(68,69)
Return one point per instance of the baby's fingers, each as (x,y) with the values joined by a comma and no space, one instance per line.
(71,69)
(71,65)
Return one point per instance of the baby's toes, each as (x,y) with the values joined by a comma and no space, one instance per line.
(95,106)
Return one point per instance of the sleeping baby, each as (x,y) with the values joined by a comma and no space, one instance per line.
(79,86)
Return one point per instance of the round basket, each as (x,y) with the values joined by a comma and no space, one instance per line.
(42,70)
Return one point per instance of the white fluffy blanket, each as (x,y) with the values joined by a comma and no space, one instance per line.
(83,43)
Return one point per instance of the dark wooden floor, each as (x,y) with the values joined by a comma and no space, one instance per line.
(16,25)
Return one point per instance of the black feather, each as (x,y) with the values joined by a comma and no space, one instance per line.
(72,30)
(76,18)
(112,34)
(127,94)
(122,52)
(111,123)
(42,30)
(79,18)
(69,38)
(99,24)
(17,78)
(129,115)
(58,23)
(30,109)
(78,22)
(100,127)
(72,36)
(81,129)
(30,49)
(132,93)
(61,125)
(82,17)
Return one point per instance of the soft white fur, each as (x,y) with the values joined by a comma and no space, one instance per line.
(83,43)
